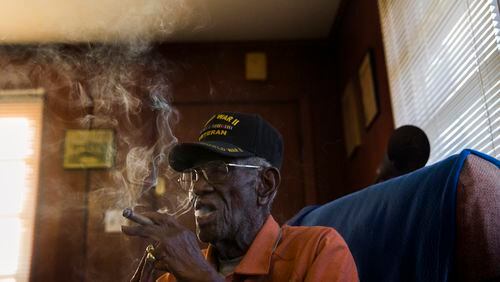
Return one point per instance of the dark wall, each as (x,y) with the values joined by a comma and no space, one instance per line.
(356,31)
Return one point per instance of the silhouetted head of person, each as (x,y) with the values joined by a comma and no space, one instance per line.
(408,150)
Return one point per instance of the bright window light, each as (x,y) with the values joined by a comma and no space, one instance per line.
(20,126)
(443,62)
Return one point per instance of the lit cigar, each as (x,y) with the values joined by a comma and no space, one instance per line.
(137,218)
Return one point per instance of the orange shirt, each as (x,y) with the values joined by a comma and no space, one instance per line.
(302,254)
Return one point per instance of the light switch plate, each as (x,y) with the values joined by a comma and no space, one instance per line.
(113,220)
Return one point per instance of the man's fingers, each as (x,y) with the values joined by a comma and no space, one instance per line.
(145,231)
(130,230)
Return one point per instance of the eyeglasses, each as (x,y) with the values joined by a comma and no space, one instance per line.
(214,172)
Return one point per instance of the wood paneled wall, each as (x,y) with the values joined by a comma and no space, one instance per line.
(356,31)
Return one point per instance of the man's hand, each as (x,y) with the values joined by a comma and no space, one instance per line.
(177,250)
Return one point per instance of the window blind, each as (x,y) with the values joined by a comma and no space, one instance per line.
(20,129)
(443,61)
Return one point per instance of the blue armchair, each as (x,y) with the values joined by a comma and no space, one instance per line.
(411,228)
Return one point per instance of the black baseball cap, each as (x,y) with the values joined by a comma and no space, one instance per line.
(233,135)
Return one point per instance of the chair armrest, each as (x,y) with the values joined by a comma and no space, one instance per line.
(477,252)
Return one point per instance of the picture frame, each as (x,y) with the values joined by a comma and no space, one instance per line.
(351,118)
(89,149)
(369,97)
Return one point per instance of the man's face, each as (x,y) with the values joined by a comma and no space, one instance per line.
(224,209)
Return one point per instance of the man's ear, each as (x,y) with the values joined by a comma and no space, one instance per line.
(268,186)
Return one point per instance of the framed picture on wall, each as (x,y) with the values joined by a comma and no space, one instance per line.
(85,149)
(350,118)
(368,90)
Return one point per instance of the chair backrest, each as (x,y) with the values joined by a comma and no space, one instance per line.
(402,229)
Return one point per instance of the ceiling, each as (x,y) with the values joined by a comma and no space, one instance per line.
(43,21)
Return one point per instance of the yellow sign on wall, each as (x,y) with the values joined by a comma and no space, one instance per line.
(256,66)
(89,149)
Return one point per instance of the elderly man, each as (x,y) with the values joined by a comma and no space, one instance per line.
(233,172)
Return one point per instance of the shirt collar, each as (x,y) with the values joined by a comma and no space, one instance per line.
(257,260)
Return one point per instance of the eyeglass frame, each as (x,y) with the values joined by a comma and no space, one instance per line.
(197,172)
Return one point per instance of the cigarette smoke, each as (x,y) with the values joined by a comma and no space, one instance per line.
(113,86)
(109,85)
(114,77)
